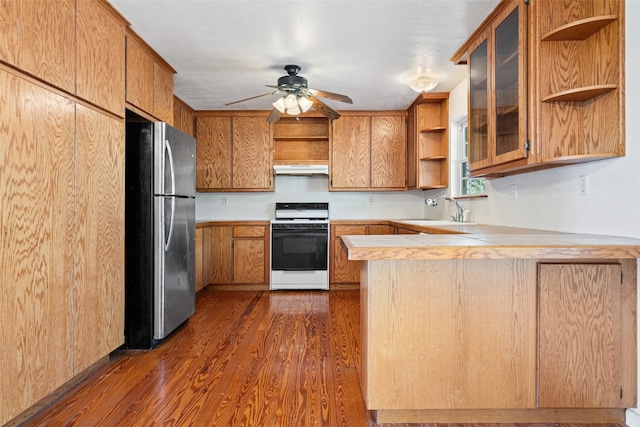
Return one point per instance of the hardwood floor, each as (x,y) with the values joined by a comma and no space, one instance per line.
(244,359)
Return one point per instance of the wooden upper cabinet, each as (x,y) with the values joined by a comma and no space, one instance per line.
(140,67)
(428,141)
(183,117)
(213,153)
(579,53)
(162,93)
(149,80)
(234,152)
(252,164)
(100,53)
(368,151)
(37,37)
(388,152)
(546,82)
(350,152)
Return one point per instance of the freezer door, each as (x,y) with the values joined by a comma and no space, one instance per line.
(174,296)
(175,161)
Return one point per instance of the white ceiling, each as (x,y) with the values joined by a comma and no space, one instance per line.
(227,50)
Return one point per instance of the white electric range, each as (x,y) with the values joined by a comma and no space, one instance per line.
(300,246)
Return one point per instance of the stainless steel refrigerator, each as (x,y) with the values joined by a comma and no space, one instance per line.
(159,231)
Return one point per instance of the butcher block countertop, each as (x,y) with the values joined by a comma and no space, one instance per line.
(477,241)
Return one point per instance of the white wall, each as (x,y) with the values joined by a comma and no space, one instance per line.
(342,205)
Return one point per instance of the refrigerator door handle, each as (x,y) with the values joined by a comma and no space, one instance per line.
(167,147)
(173,215)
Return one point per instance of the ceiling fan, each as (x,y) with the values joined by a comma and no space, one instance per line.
(298,97)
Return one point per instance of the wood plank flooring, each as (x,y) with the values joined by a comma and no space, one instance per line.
(244,359)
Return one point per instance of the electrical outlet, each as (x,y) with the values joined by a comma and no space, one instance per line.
(370,200)
(583,185)
(225,201)
(513,192)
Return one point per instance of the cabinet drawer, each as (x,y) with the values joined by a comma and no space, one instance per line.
(248,231)
(344,230)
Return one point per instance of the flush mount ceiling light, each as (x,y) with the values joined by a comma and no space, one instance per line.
(423,80)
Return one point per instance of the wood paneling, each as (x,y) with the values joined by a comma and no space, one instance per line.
(37,37)
(350,152)
(213,153)
(99,262)
(36,249)
(252,164)
(388,152)
(163,94)
(100,53)
(249,261)
(448,334)
(140,66)
(580,336)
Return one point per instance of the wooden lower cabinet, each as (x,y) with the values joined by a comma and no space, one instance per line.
(583,313)
(199,255)
(523,340)
(235,253)
(341,270)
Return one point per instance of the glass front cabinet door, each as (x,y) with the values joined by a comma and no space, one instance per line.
(497,91)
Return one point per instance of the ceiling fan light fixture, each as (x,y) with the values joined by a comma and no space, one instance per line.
(294,111)
(279,105)
(291,102)
(305,103)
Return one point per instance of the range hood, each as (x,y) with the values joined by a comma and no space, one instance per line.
(301,169)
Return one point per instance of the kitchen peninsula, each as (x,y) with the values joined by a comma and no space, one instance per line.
(497,324)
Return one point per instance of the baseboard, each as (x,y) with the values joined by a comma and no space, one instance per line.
(633,417)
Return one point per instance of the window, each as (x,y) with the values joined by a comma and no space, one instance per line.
(468,185)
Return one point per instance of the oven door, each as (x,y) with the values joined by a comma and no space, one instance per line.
(299,247)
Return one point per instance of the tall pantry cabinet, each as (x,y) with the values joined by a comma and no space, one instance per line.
(61,190)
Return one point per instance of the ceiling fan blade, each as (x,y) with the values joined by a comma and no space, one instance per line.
(253,97)
(331,95)
(274,116)
(327,111)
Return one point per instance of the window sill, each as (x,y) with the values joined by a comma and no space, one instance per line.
(471,196)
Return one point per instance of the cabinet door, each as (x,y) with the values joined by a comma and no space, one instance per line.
(37,37)
(37,219)
(99,263)
(213,153)
(249,261)
(163,94)
(388,152)
(344,270)
(479,127)
(580,335)
(509,87)
(217,259)
(139,75)
(350,152)
(100,56)
(252,165)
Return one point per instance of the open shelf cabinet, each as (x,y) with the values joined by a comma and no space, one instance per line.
(429,141)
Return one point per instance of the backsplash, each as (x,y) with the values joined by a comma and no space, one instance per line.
(342,205)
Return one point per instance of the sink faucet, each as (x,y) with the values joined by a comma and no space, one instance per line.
(458,217)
